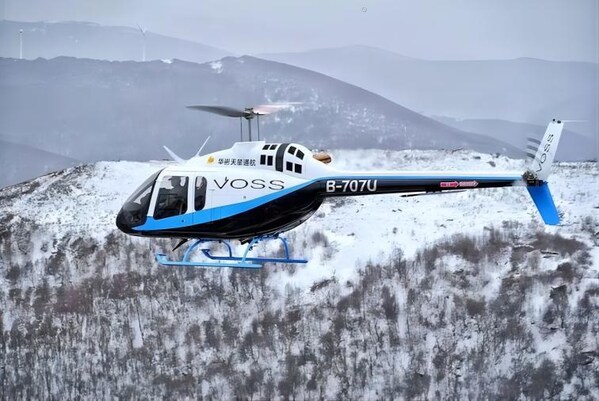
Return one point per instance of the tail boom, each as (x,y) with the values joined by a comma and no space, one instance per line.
(350,184)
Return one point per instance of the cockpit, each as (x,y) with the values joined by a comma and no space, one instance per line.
(162,197)
(172,193)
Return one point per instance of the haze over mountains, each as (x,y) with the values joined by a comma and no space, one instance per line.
(520,90)
(100,110)
(19,162)
(87,109)
(89,40)
(573,146)
(462,296)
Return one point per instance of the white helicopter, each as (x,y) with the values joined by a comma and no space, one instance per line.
(256,191)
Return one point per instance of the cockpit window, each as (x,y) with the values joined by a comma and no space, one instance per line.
(172,197)
(136,207)
(143,188)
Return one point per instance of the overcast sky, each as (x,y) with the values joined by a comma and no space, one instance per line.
(433,29)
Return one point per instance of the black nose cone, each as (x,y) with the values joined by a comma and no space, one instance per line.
(123,222)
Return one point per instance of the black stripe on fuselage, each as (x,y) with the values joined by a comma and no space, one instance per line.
(279,156)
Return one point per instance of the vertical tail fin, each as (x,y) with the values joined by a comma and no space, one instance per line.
(541,164)
(539,170)
(541,196)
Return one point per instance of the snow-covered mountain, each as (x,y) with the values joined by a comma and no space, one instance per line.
(98,110)
(455,296)
(89,40)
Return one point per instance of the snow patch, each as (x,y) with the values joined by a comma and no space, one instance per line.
(137,340)
(217,66)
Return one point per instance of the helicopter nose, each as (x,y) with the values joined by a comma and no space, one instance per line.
(122,222)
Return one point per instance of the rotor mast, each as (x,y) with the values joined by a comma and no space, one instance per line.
(248,113)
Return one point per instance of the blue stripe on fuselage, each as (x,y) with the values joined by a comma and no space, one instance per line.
(206,215)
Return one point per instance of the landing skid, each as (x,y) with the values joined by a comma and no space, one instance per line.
(243,262)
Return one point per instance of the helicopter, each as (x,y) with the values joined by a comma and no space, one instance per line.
(255,191)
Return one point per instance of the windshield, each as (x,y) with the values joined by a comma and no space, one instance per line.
(136,207)
(147,184)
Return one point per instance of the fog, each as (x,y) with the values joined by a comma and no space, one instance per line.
(430,29)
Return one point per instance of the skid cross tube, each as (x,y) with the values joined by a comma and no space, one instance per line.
(229,260)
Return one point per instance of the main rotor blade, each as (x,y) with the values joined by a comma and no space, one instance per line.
(412,194)
(221,110)
(265,109)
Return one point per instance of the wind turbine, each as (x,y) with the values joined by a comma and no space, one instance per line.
(143,42)
(20,44)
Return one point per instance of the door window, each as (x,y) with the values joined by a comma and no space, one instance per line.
(172,197)
(200,193)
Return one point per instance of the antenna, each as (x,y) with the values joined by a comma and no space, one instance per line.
(202,147)
(20,44)
(143,42)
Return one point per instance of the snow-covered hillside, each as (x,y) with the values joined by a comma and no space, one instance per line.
(463,295)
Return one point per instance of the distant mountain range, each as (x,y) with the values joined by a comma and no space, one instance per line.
(572,147)
(97,110)
(89,40)
(20,162)
(524,90)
